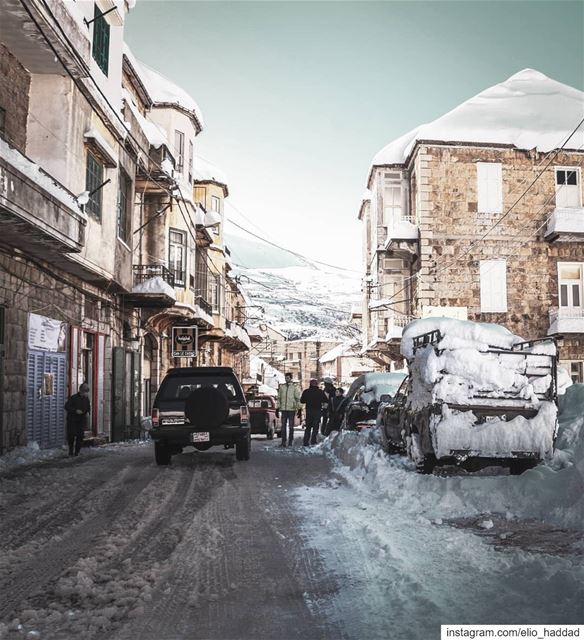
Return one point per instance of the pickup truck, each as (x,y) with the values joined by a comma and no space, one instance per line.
(475,397)
(262,415)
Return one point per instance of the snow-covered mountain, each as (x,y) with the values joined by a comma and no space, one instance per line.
(296,296)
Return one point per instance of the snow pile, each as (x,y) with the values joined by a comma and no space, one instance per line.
(528,110)
(38,176)
(28,455)
(374,385)
(155,285)
(552,492)
(458,370)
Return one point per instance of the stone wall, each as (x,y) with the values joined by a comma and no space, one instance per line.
(14,90)
(450,226)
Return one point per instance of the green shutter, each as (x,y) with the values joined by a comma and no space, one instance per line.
(100,49)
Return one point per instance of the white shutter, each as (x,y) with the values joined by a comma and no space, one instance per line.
(493,280)
(490,187)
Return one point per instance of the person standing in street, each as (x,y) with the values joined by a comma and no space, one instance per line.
(288,404)
(77,408)
(330,392)
(314,399)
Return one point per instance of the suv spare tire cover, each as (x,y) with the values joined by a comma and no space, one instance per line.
(207,407)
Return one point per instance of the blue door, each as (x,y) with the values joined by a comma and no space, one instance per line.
(46,389)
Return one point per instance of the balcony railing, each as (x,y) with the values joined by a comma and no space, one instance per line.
(143,272)
(207,307)
(396,325)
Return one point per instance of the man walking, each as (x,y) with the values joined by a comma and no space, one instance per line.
(77,408)
(314,399)
(288,403)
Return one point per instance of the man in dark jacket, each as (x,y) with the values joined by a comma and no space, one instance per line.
(329,391)
(77,408)
(314,399)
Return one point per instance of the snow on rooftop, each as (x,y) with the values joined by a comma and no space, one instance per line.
(528,110)
(338,351)
(205,171)
(154,134)
(164,91)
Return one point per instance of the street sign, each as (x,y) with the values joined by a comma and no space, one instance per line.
(185,342)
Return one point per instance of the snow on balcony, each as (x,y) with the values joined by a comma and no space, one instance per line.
(566,224)
(566,320)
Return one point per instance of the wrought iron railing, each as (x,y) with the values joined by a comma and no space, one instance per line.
(204,305)
(143,272)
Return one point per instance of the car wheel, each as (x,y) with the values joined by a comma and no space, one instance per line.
(426,465)
(162,454)
(242,449)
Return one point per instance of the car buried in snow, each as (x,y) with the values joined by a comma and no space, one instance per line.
(200,407)
(476,396)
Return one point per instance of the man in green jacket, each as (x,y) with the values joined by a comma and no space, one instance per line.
(288,403)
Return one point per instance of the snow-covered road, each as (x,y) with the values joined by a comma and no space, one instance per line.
(292,544)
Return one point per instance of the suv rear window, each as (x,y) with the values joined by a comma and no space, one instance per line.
(180,387)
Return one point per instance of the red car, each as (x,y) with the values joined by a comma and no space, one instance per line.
(262,410)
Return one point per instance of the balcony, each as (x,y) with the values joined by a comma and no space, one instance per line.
(156,174)
(236,337)
(203,312)
(401,228)
(566,320)
(566,225)
(153,287)
(38,215)
(395,326)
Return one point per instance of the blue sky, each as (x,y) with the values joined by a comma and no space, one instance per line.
(298,96)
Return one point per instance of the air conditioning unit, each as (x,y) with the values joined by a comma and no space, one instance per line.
(392,264)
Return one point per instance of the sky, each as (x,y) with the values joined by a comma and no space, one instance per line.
(297,97)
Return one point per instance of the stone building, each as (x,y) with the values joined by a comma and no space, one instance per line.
(303,358)
(479,215)
(66,187)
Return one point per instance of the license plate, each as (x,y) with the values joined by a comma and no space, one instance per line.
(165,421)
(200,436)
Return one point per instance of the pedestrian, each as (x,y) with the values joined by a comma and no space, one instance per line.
(314,399)
(337,406)
(288,404)
(77,408)
(330,391)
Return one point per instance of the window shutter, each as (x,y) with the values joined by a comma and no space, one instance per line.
(490,187)
(493,281)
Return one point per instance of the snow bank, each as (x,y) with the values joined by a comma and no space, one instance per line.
(528,110)
(552,492)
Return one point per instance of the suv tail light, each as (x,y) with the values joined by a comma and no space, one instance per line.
(155,416)
(243,414)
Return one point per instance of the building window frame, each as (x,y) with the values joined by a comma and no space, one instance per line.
(177,255)
(575,369)
(570,290)
(124,206)
(94,178)
(493,286)
(179,149)
(101,40)
(571,178)
(489,187)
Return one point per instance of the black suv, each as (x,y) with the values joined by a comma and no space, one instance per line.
(200,407)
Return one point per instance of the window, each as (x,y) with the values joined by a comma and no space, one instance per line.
(490,187)
(216,293)
(191,156)
(201,273)
(100,47)
(216,207)
(392,200)
(179,150)
(493,282)
(568,187)
(577,372)
(177,256)
(124,206)
(93,182)
(570,285)
(201,196)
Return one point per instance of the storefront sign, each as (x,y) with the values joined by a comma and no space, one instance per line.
(46,334)
(185,342)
